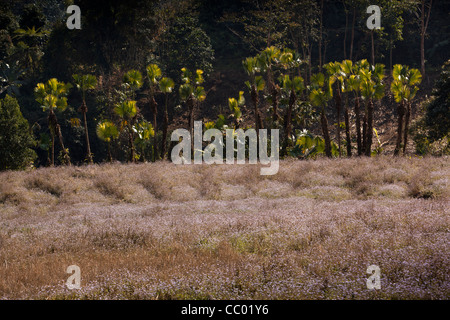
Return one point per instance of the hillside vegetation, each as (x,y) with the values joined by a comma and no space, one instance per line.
(161,231)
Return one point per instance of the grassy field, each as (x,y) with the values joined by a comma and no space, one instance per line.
(160,231)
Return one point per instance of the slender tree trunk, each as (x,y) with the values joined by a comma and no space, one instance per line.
(358,127)
(353,33)
(370,108)
(320,36)
(390,55)
(347,130)
(255,99)
(53,121)
(66,157)
(52,163)
(154,108)
(401,112)
(131,143)
(326,133)
(424,19)
(84,110)
(364,136)
(405,133)
(165,129)
(288,121)
(345,32)
(190,104)
(373,47)
(275,116)
(338,101)
(109,152)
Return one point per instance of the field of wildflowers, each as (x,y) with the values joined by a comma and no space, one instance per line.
(161,231)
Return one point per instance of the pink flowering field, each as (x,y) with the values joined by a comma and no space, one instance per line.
(161,231)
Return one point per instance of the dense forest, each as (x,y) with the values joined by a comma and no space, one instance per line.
(137,69)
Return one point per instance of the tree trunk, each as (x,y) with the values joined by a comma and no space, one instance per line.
(370,108)
(154,108)
(165,129)
(347,131)
(401,112)
(407,117)
(373,47)
(364,136)
(358,127)
(338,101)
(345,32)
(390,55)
(109,152)
(424,19)
(53,121)
(84,110)
(320,36)
(326,133)
(422,39)
(353,33)
(288,120)
(52,161)
(190,105)
(131,144)
(275,116)
(255,99)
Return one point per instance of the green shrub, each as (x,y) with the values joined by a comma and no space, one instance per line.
(438,111)
(15,137)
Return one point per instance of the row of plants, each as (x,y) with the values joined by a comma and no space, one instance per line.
(274,81)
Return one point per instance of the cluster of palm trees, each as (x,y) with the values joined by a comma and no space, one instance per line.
(342,82)
(52,96)
(275,72)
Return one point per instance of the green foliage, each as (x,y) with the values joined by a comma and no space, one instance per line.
(437,117)
(186,45)
(234,105)
(15,138)
(10,78)
(133,80)
(153,73)
(405,83)
(192,85)
(85,82)
(166,85)
(126,110)
(107,131)
(309,146)
(52,94)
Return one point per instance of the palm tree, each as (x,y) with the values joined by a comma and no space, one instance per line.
(144,131)
(320,94)
(234,106)
(191,92)
(52,96)
(127,111)
(153,75)
(166,85)
(372,89)
(347,69)
(336,76)
(132,80)
(267,59)
(85,83)
(10,76)
(30,47)
(255,85)
(107,131)
(404,87)
(293,89)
